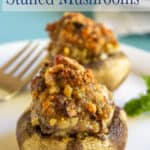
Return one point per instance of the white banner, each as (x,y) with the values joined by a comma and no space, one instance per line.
(76,5)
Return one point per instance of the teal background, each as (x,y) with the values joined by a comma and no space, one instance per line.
(16,26)
(139,41)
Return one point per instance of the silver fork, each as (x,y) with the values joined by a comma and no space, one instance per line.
(10,85)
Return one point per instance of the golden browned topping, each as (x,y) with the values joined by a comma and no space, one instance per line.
(79,37)
(68,100)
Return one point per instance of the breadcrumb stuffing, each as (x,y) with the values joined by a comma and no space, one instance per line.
(52,122)
(67,99)
(79,37)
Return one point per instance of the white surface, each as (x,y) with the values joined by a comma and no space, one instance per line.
(124,23)
(139,128)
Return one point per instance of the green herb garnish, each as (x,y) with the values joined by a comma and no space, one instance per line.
(139,105)
(147,81)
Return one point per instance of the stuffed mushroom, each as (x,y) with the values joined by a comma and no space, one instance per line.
(70,110)
(92,45)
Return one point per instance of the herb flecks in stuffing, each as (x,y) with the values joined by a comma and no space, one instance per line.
(81,38)
(68,100)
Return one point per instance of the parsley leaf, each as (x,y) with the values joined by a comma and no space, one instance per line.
(139,105)
(147,81)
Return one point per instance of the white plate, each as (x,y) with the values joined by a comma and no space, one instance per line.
(139,128)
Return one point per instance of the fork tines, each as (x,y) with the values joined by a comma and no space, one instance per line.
(24,65)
